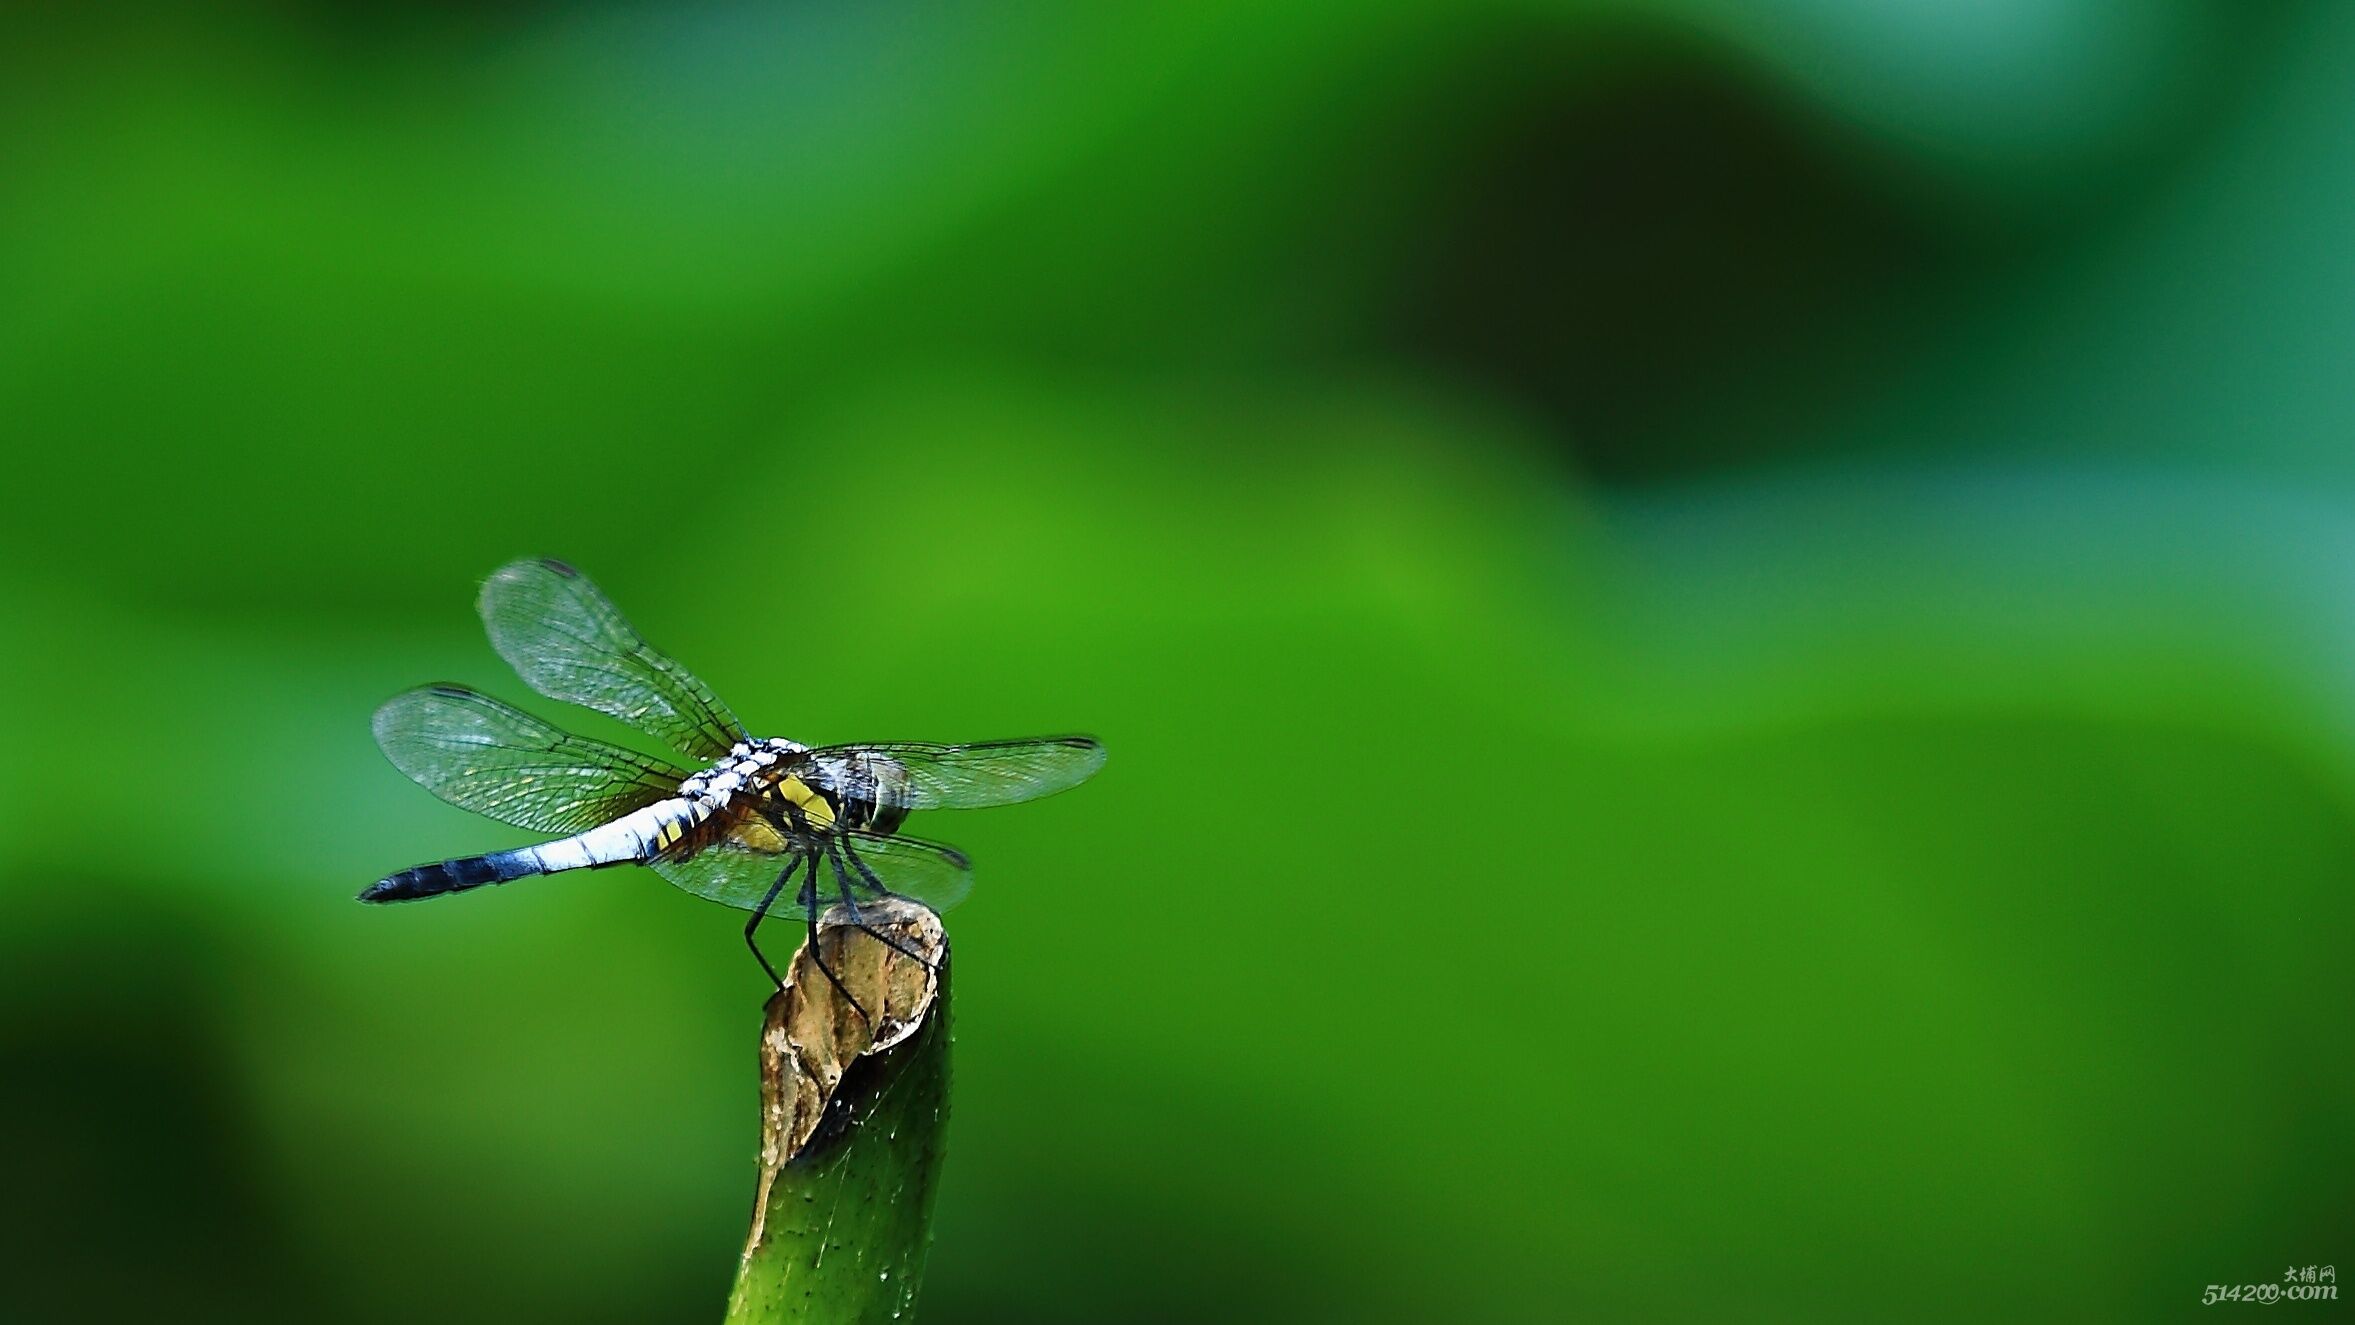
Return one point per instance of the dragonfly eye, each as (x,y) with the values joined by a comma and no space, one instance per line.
(888,789)
(886,818)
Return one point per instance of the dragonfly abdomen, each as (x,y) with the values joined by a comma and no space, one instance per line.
(635,837)
(453,876)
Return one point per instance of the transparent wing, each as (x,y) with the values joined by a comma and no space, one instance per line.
(733,875)
(969,777)
(936,875)
(728,873)
(481,755)
(567,641)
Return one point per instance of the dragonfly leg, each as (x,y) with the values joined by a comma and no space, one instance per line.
(760,913)
(809,906)
(835,851)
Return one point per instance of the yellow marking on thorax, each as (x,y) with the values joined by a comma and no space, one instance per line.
(755,834)
(813,806)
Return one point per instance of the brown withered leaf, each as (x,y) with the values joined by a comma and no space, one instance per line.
(812,1036)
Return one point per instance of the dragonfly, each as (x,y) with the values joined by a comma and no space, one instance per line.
(765,825)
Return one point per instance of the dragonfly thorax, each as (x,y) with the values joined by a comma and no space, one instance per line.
(748,765)
(805,788)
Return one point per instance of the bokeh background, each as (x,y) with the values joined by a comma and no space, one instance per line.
(1727,632)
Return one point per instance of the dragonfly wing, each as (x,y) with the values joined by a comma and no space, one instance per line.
(736,876)
(970,777)
(733,875)
(936,875)
(481,755)
(568,641)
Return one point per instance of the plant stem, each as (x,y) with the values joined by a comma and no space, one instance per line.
(853,1121)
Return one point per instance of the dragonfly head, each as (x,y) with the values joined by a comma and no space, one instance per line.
(874,790)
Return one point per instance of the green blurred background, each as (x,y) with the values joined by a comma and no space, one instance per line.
(1727,632)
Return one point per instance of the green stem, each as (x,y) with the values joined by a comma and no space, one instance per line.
(853,1124)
